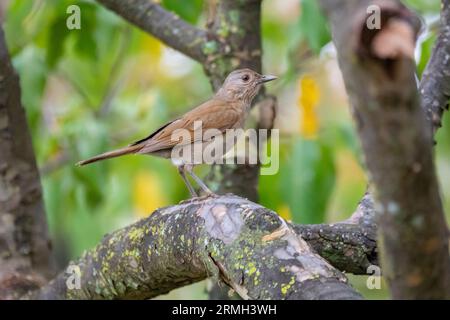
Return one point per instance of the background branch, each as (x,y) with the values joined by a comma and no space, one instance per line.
(350,245)
(162,24)
(435,83)
(250,248)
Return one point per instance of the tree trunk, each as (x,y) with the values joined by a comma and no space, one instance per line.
(25,255)
(378,70)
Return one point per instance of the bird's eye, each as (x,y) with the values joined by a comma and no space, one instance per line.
(245,77)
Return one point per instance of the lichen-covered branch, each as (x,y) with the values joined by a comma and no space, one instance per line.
(162,24)
(378,69)
(435,83)
(25,259)
(250,248)
(350,245)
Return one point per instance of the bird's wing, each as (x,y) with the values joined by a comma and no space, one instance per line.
(152,134)
(213,114)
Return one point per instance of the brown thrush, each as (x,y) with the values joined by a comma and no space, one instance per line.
(228,109)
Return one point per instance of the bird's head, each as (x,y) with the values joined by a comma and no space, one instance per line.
(243,85)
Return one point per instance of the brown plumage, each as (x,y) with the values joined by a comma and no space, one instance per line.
(228,109)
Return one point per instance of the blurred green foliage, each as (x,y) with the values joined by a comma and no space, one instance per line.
(313,26)
(90,90)
(190,12)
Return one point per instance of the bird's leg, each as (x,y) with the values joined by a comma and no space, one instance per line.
(198,180)
(181,170)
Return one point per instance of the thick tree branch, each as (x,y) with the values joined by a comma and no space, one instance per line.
(435,83)
(378,71)
(24,244)
(248,247)
(162,24)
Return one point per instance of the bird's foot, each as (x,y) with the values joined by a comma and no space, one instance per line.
(201,197)
(206,195)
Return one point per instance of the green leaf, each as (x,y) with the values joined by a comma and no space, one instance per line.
(188,10)
(313,25)
(309,179)
(424,6)
(86,44)
(426,48)
(32,81)
(57,36)
(270,186)
(17,13)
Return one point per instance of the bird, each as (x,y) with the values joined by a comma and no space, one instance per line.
(227,109)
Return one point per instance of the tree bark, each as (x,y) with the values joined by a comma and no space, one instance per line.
(25,257)
(250,248)
(397,143)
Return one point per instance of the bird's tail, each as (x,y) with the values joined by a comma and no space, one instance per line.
(111,154)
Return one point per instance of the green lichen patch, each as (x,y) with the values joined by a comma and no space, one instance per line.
(210,47)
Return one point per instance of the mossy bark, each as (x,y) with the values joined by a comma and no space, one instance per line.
(250,248)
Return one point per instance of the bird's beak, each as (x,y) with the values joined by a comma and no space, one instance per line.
(266,78)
